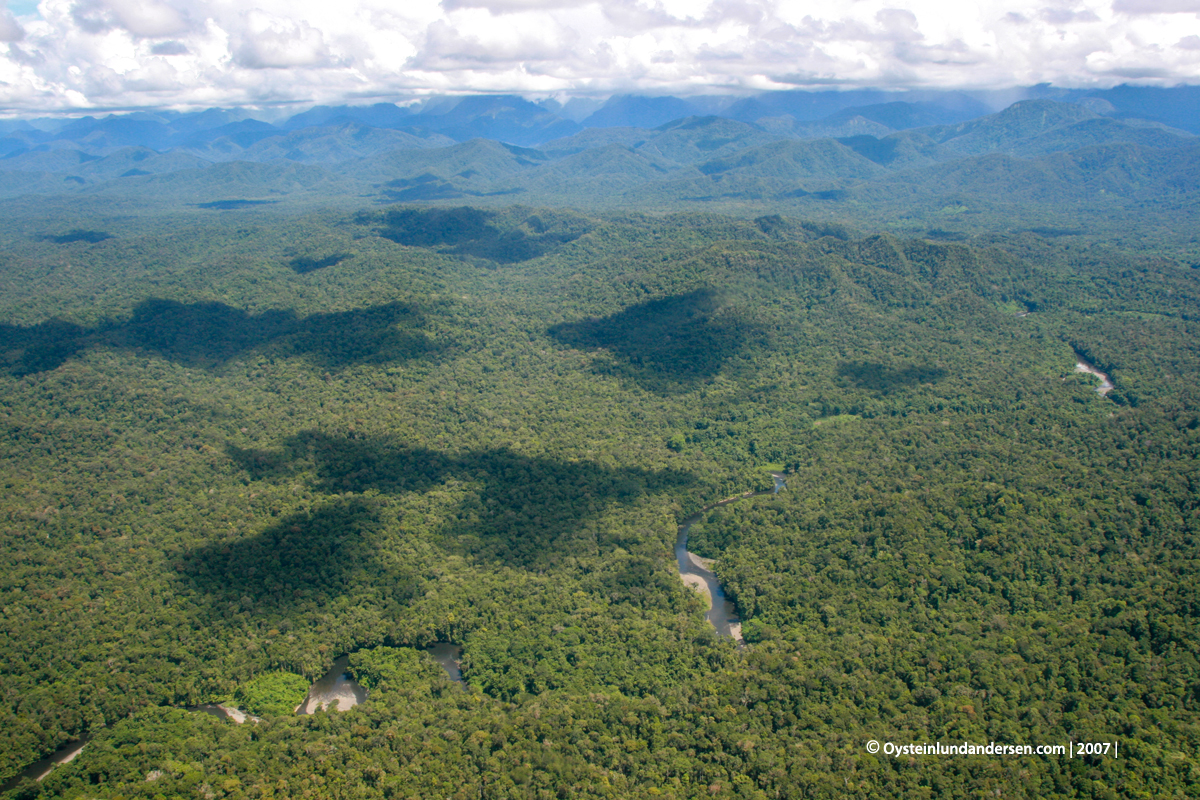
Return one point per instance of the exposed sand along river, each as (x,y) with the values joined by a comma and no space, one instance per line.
(40,769)
(1082,365)
(696,572)
(337,691)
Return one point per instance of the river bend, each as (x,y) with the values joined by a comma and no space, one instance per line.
(696,572)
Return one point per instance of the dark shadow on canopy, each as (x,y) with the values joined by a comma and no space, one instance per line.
(208,334)
(40,348)
(521,511)
(667,345)
(876,377)
(78,235)
(305,264)
(311,557)
(506,238)
(233,205)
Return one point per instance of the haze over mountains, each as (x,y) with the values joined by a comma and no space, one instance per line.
(932,157)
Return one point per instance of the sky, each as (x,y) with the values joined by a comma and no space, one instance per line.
(74,55)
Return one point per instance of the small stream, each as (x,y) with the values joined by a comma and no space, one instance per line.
(695,571)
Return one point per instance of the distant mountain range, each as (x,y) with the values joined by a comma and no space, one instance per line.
(818,154)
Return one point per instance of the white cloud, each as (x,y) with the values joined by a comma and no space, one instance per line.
(10,29)
(498,7)
(1157,6)
(1064,16)
(138,17)
(269,42)
(170,48)
(217,52)
(143,18)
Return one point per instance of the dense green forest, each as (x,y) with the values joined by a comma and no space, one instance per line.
(240,442)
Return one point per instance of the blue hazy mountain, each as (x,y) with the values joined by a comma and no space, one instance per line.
(850,153)
(1178,106)
(638,111)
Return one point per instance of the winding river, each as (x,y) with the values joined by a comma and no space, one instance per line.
(695,571)
(336,690)
(1083,365)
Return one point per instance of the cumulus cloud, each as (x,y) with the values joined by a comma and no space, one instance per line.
(898,25)
(508,6)
(10,29)
(144,19)
(170,48)
(1065,16)
(150,19)
(1157,6)
(93,53)
(268,42)
(446,47)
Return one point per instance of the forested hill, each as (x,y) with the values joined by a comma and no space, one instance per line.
(946,167)
(237,445)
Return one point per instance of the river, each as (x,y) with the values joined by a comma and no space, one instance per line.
(696,572)
(224,712)
(450,657)
(40,769)
(335,690)
(1082,365)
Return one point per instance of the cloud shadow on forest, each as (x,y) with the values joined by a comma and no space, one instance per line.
(206,335)
(78,235)
(303,265)
(234,205)
(667,345)
(482,234)
(315,556)
(520,511)
(877,377)
(42,347)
